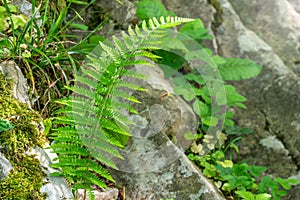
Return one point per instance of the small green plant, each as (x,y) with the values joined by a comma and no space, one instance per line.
(5,125)
(40,45)
(241,180)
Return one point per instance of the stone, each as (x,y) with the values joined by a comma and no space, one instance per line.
(273,99)
(11,70)
(295,4)
(56,187)
(108,194)
(195,9)
(5,167)
(277,23)
(153,166)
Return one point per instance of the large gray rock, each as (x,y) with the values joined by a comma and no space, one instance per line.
(273,99)
(153,166)
(277,23)
(5,167)
(273,105)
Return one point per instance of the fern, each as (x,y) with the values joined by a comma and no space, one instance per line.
(91,126)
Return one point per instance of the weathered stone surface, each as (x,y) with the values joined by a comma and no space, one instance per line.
(56,187)
(5,167)
(153,166)
(295,4)
(12,71)
(195,9)
(108,194)
(273,99)
(274,96)
(277,23)
(123,13)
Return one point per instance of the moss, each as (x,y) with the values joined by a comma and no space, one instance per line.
(25,180)
(219,12)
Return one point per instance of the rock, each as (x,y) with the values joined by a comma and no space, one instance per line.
(124,14)
(56,187)
(153,166)
(277,23)
(108,194)
(195,9)
(295,4)
(273,99)
(5,167)
(12,71)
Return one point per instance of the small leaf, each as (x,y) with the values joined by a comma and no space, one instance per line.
(195,30)
(200,108)
(238,69)
(79,26)
(5,125)
(256,170)
(226,163)
(210,121)
(245,195)
(286,183)
(263,196)
(190,136)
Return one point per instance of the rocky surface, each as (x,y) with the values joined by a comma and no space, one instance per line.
(108,194)
(12,71)
(273,97)
(153,166)
(5,167)
(56,187)
(275,22)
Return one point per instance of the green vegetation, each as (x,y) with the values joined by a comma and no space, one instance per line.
(42,47)
(19,134)
(95,127)
(88,128)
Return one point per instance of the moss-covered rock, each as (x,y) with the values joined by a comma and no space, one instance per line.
(25,180)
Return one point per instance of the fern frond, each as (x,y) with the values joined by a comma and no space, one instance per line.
(93,128)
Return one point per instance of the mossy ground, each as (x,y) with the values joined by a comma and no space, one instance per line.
(25,180)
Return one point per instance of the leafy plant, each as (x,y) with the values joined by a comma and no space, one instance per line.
(5,125)
(241,180)
(40,46)
(94,128)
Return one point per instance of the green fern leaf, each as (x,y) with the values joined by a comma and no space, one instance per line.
(238,69)
(93,128)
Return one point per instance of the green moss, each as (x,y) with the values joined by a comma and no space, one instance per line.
(25,180)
